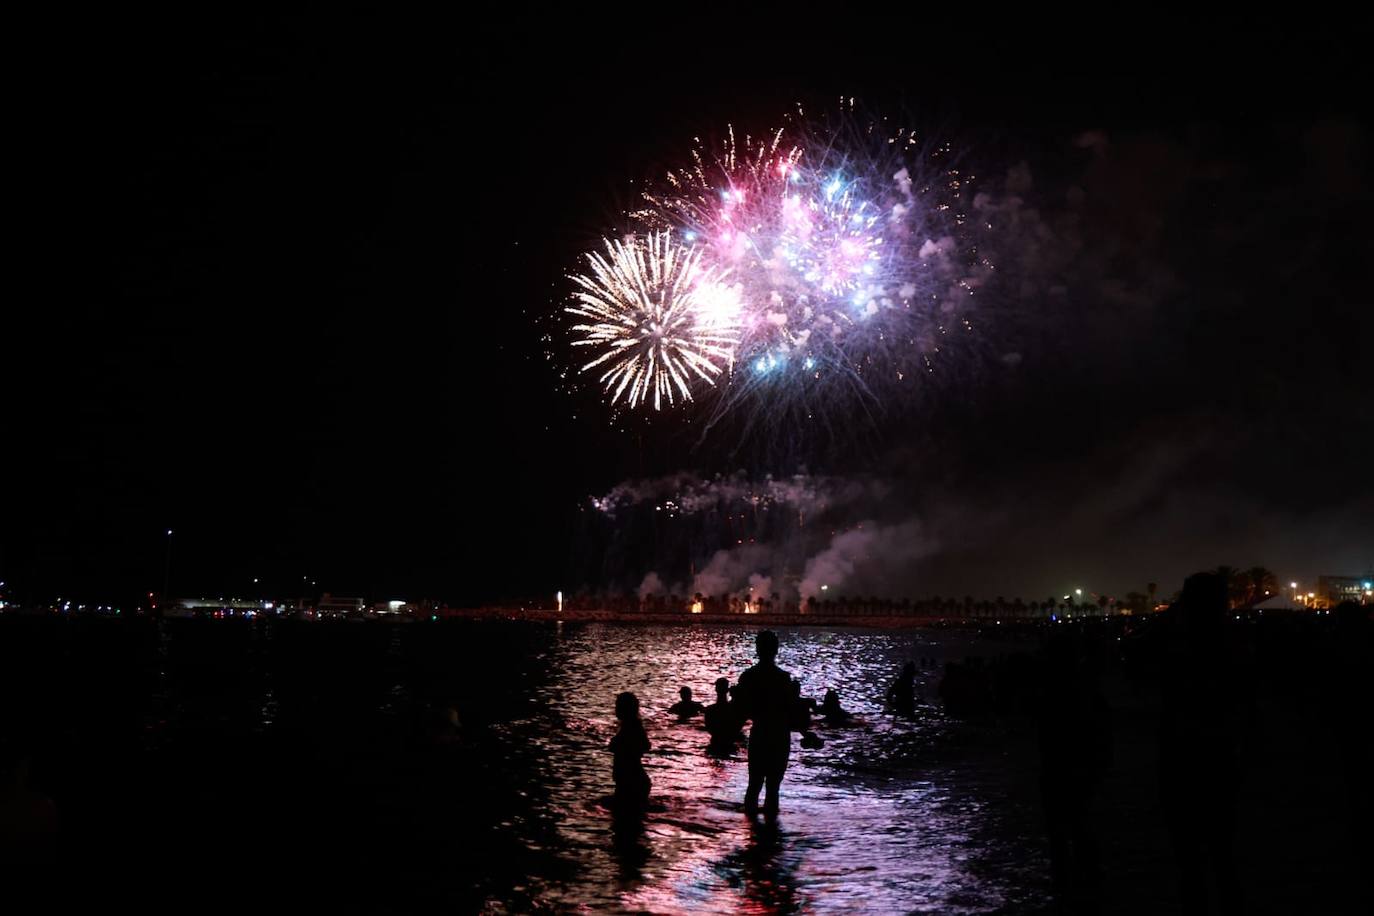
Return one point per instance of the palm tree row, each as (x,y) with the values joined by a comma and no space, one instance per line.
(1248,586)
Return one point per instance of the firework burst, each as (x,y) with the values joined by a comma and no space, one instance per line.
(658,319)
(850,260)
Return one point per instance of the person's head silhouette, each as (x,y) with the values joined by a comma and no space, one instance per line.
(722,688)
(1202,605)
(767,645)
(686,694)
(626,707)
(1204,594)
(1351,617)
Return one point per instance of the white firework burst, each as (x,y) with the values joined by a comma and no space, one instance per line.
(658,319)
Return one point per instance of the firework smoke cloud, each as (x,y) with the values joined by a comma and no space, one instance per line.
(798,537)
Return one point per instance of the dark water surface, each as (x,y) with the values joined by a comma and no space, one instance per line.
(270,766)
(230,763)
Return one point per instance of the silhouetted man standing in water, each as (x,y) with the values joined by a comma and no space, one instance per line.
(766,696)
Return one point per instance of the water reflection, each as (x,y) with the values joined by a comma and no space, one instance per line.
(893,814)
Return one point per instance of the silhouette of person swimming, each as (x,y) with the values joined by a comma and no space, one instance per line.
(629,745)
(901,696)
(831,711)
(768,697)
(722,720)
(686,707)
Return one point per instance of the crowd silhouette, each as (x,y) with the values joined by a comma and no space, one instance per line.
(766,697)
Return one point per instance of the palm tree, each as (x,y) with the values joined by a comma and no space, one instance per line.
(1237,587)
(1261,584)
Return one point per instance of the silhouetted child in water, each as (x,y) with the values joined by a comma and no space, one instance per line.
(832,711)
(900,696)
(629,745)
(722,720)
(810,740)
(686,707)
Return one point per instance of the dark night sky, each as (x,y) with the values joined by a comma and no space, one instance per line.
(288,273)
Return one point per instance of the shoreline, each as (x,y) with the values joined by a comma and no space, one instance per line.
(881,621)
(875,621)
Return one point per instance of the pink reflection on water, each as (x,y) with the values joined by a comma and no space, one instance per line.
(866,825)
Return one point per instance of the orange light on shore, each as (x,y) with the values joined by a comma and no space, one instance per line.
(696,607)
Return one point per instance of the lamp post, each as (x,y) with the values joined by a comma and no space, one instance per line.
(167,568)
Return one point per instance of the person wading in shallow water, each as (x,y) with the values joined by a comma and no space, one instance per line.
(629,745)
(766,696)
(832,711)
(687,707)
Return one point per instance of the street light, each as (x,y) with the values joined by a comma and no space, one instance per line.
(167,568)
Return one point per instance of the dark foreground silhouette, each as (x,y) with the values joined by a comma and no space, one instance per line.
(1075,752)
(28,817)
(1199,730)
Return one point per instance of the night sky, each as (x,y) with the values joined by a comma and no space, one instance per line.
(291,273)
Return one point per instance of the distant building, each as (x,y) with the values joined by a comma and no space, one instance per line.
(331,606)
(1332,590)
(194,607)
(394,608)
